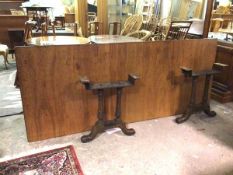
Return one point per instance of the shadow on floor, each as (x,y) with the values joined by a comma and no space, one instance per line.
(226,170)
(220,127)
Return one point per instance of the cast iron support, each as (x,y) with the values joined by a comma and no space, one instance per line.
(102,124)
(205,105)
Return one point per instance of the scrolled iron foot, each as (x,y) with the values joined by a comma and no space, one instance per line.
(98,128)
(87,138)
(125,130)
(182,119)
(210,113)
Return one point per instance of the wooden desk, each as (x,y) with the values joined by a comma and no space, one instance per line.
(55,103)
(105,39)
(57,40)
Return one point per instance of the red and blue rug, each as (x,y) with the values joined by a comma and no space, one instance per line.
(61,161)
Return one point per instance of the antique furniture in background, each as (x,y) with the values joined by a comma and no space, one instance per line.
(4,53)
(37,13)
(28,29)
(222,89)
(16,36)
(45,28)
(91,16)
(178,30)
(62,106)
(94,28)
(69,18)
(10,22)
(132,24)
(59,20)
(141,34)
(103,123)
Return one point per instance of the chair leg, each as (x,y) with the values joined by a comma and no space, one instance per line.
(7,58)
(5,61)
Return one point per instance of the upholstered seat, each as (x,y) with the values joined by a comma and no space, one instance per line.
(4,53)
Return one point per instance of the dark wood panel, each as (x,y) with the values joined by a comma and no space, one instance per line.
(9,22)
(55,103)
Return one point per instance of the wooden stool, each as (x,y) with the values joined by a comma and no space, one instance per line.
(102,124)
(205,105)
(4,53)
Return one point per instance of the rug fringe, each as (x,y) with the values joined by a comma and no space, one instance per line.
(35,151)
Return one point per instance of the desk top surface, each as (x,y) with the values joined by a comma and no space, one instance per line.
(57,40)
(105,39)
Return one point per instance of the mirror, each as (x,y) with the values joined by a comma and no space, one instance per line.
(91,10)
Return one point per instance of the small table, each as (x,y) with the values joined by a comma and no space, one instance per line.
(37,12)
(57,40)
(105,39)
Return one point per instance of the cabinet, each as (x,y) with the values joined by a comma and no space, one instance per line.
(9,21)
(222,89)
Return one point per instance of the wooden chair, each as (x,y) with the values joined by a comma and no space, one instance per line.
(114,28)
(132,24)
(69,19)
(45,28)
(94,28)
(4,53)
(28,29)
(178,30)
(91,16)
(59,21)
(152,24)
(141,34)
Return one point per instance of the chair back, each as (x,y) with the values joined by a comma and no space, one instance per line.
(152,24)
(69,18)
(114,28)
(178,30)
(94,28)
(132,24)
(91,16)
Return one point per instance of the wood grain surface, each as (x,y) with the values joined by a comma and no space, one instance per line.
(55,102)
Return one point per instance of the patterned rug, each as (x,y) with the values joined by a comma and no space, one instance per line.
(61,161)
